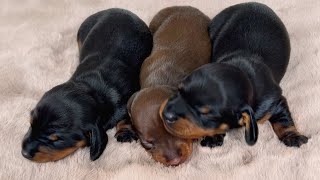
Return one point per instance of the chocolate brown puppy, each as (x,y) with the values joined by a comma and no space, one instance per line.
(181,44)
(251,48)
(113,44)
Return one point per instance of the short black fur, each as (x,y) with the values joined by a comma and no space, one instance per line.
(113,44)
(250,55)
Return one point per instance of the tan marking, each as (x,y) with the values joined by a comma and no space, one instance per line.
(79,44)
(246,120)
(46,154)
(265,118)
(281,130)
(162,107)
(81,144)
(53,137)
(204,110)
(224,126)
(183,128)
(123,125)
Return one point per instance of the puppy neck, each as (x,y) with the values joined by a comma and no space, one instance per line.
(246,64)
(101,99)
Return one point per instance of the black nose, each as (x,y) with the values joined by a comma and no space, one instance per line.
(26,154)
(170,117)
(28,148)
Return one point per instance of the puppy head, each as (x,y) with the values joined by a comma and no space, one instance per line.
(211,100)
(61,123)
(144,112)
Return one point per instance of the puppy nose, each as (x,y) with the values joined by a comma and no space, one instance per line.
(170,117)
(175,161)
(28,148)
(26,154)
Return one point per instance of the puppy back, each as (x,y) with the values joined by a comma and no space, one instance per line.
(251,28)
(165,13)
(115,33)
(181,44)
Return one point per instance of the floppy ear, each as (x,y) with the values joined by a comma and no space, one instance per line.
(251,128)
(129,103)
(98,141)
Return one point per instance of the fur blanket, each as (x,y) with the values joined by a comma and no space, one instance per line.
(38,50)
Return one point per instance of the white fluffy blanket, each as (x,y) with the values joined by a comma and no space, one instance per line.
(38,50)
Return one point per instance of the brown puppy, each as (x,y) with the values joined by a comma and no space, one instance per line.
(181,44)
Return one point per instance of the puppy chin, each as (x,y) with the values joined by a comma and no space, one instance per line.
(46,154)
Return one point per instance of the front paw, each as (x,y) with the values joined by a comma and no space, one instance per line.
(212,141)
(292,139)
(126,135)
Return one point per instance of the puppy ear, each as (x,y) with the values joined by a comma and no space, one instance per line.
(130,101)
(251,128)
(98,141)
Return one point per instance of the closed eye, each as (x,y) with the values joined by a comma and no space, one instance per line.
(207,115)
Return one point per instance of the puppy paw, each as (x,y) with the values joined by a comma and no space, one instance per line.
(212,141)
(126,135)
(292,139)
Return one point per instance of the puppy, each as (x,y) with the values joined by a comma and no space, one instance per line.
(181,44)
(113,44)
(251,47)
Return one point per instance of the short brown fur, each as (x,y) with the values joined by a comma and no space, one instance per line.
(181,44)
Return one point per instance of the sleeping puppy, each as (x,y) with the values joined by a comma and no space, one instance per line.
(112,44)
(251,48)
(181,44)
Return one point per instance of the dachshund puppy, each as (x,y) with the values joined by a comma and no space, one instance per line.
(113,44)
(251,48)
(181,44)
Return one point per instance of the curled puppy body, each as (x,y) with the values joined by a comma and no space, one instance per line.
(113,44)
(181,44)
(251,48)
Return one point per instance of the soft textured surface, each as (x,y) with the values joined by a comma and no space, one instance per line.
(38,50)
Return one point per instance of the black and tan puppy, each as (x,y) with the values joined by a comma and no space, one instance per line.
(181,44)
(251,48)
(113,44)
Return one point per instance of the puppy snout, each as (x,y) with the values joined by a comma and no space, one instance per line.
(175,161)
(28,149)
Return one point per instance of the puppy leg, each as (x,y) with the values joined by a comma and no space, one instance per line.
(125,132)
(213,141)
(284,127)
